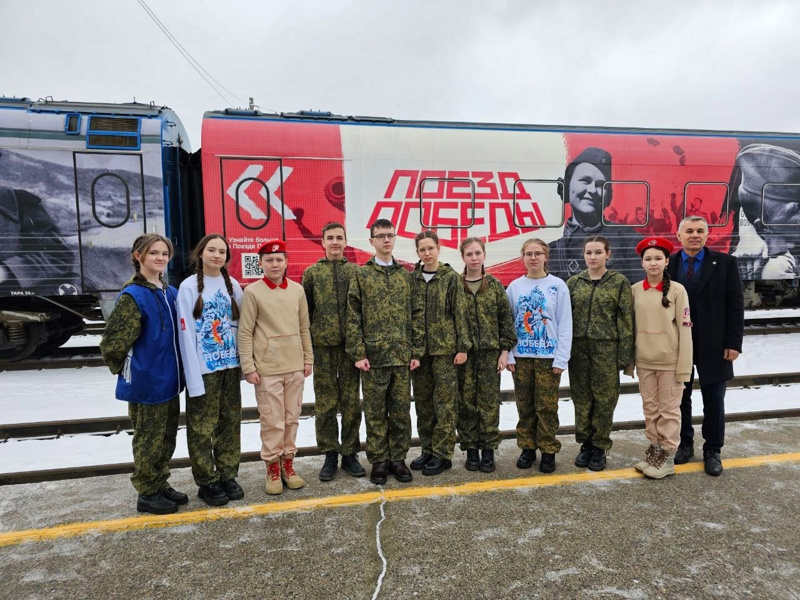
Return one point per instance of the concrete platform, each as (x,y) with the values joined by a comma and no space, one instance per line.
(511,534)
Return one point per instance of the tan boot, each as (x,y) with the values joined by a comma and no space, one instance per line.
(649,456)
(274,483)
(292,479)
(663,465)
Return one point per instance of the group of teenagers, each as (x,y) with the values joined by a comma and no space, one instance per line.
(380,327)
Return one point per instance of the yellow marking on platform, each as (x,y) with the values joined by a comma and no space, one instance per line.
(406,493)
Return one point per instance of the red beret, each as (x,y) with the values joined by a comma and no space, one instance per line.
(272,247)
(654,242)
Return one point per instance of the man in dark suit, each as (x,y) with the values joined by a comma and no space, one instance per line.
(716,302)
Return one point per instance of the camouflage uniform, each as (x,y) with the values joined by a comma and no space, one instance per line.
(379,328)
(602,317)
(538,420)
(213,427)
(491,327)
(440,330)
(155,426)
(336,379)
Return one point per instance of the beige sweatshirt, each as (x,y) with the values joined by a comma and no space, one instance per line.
(663,335)
(274,335)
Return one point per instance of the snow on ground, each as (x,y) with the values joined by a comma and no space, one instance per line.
(66,394)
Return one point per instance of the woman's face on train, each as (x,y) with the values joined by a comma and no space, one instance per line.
(775,211)
(586,193)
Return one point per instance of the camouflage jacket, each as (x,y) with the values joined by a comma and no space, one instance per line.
(326,283)
(379,315)
(439,314)
(491,323)
(603,310)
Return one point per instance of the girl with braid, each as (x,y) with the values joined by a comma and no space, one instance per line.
(663,355)
(208,310)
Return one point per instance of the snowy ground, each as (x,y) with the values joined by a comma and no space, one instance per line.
(66,394)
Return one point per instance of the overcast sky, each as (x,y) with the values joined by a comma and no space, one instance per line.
(686,64)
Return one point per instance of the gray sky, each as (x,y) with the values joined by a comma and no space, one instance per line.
(687,64)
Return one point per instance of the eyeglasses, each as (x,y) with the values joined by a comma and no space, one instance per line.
(383,236)
(534,254)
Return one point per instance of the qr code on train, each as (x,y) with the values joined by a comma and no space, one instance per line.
(250,268)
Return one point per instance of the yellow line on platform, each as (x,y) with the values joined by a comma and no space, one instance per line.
(406,493)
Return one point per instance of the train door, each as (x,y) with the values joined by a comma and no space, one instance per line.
(110,197)
(253,209)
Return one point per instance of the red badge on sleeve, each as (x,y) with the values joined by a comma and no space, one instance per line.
(183,324)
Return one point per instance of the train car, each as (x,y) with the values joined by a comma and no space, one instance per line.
(78,183)
(286,175)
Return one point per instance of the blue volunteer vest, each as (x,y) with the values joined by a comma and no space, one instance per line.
(152,372)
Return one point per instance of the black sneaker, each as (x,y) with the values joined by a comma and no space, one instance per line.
(436,465)
(582,460)
(328,470)
(156,504)
(526,459)
(352,466)
(212,494)
(597,460)
(418,463)
(176,496)
(487,461)
(473,460)
(683,454)
(712,462)
(548,463)
(232,489)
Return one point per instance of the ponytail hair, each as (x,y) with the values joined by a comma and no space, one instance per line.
(197,262)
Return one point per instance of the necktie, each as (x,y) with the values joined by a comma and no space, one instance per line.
(690,268)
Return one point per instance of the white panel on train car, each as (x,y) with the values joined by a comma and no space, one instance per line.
(385,167)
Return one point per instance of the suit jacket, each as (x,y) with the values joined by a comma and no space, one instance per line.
(717,313)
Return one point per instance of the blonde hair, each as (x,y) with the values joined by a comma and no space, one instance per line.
(142,244)
(544,246)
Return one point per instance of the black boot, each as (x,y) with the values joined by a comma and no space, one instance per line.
(548,463)
(712,462)
(156,504)
(400,471)
(487,461)
(526,459)
(597,461)
(213,494)
(436,465)
(683,454)
(351,465)
(582,460)
(232,489)
(380,472)
(418,463)
(473,460)
(328,470)
(176,496)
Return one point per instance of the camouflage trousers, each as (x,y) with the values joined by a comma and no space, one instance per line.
(594,386)
(336,382)
(479,401)
(213,427)
(436,403)
(536,392)
(387,406)
(155,429)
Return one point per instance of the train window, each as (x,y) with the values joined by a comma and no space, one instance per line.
(441,203)
(707,199)
(788,196)
(268,209)
(626,203)
(108,185)
(113,132)
(538,204)
(72,124)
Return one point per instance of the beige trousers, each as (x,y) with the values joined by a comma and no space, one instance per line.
(279,398)
(661,401)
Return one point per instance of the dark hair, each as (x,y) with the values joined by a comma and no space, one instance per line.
(380,224)
(142,244)
(429,234)
(333,225)
(197,262)
(597,157)
(597,238)
(665,283)
(462,247)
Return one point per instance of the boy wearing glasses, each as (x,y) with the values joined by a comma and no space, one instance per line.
(378,340)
